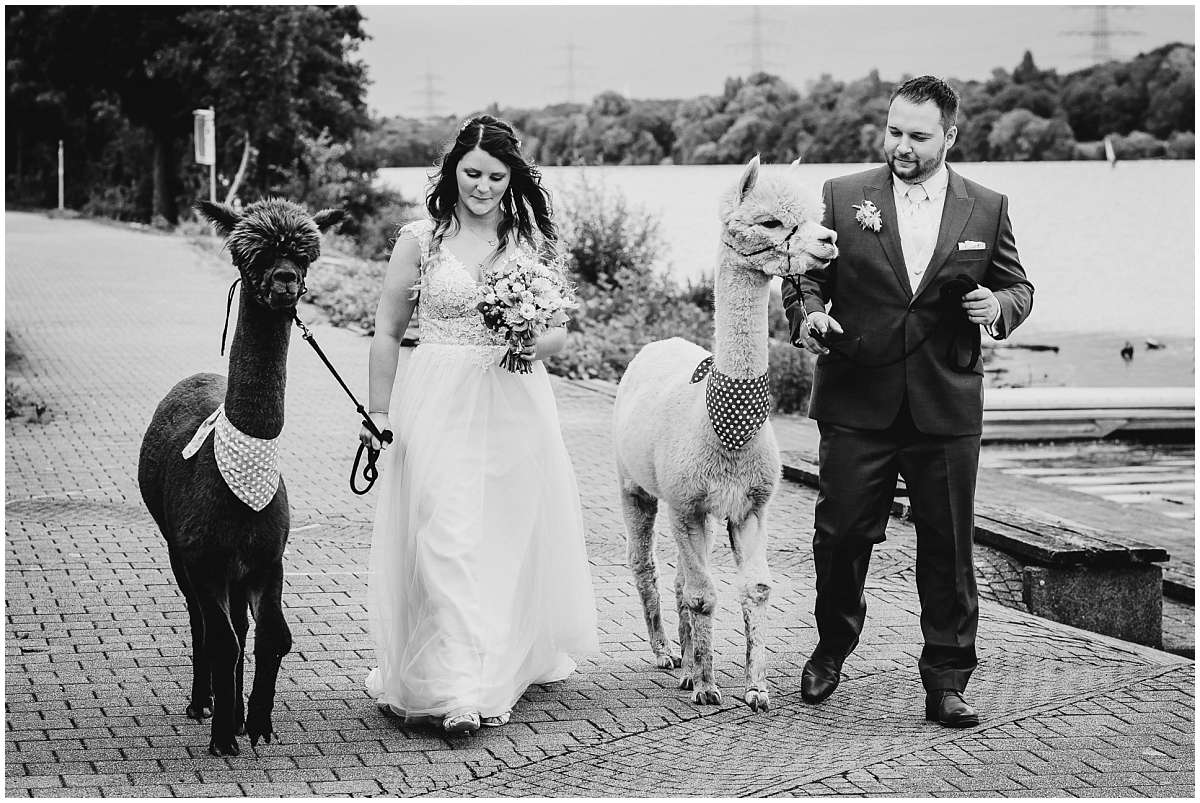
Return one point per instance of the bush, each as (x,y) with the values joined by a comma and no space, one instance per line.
(1182,145)
(347,288)
(1138,145)
(617,317)
(1020,135)
(321,179)
(1089,151)
(615,256)
(791,375)
(603,235)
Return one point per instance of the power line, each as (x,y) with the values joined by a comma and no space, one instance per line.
(1101,33)
(759,43)
(571,70)
(430,94)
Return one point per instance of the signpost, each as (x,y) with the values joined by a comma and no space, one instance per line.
(204,134)
(60,176)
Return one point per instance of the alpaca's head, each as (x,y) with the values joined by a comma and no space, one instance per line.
(767,219)
(272,243)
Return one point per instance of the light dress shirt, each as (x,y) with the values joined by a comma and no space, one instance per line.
(919,223)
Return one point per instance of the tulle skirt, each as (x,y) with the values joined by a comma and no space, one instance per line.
(479,582)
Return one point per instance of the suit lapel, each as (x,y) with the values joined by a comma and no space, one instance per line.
(879,192)
(955,212)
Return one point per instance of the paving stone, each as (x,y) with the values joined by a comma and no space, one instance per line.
(149,790)
(363,787)
(97,645)
(12,781)
(207,790)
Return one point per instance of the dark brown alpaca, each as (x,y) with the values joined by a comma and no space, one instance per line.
(227,556)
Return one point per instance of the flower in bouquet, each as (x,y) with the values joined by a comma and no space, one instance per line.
(520,298)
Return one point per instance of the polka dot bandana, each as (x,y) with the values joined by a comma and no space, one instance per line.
(737,408)
(249,465)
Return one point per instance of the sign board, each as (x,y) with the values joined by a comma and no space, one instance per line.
(204,134)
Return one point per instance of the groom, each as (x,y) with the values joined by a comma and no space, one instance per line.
(926,258)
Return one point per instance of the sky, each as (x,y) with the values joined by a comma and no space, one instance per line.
(470,56)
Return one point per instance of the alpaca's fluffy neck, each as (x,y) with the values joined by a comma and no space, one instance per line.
(742,295)
(258,368)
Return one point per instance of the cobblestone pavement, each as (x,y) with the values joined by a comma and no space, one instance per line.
(106,319)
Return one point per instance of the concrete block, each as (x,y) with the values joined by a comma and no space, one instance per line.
(1124,602)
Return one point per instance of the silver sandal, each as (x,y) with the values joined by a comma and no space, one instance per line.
(497,721)
(461,722)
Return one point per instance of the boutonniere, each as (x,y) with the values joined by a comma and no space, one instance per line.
(868,216)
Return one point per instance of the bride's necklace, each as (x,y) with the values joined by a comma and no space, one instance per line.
(491,242)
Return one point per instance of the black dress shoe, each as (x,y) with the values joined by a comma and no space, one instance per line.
(947,707)
(819,678)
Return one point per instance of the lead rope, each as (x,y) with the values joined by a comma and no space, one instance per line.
(370,471)
(943,320)
(228,307)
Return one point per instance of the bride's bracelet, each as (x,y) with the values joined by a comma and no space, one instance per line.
(372,412)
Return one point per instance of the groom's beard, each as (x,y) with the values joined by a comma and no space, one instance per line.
(915,173)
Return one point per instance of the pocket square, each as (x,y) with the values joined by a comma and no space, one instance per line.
(971,245)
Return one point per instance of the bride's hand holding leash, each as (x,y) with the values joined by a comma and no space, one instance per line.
(377,434)
(380,419)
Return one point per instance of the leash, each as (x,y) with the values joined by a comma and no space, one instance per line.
(370,472)
(951,294)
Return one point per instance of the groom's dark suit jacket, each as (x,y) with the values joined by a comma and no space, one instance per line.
(883,319)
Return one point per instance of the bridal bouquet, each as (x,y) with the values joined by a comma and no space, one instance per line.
(519,299)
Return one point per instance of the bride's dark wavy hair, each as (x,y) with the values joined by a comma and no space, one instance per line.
(525,203)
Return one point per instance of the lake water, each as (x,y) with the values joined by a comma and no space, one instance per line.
(1110,250)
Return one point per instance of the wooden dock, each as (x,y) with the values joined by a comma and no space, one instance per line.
(1053,413)
(1000,489)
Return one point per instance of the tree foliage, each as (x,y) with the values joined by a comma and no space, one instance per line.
(118,85)
(1028,113)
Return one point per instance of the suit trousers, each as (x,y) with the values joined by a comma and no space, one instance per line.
(858,472)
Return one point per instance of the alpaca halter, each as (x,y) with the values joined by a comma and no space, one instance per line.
(785,241)
(737,408)
(259,297)
(249,465)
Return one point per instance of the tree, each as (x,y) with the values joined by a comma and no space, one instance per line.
(277,74)
(1020,135)
(78,55)
(1171,102)
(274,73)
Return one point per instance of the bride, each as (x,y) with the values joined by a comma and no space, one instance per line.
(479,583)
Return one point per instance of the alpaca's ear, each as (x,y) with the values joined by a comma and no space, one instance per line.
(222,217)
(749,179)
(328,217)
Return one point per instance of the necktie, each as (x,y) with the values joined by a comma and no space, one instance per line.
(915,194)
(916,236)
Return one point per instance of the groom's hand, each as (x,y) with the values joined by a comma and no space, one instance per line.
(821,323)
(982,306)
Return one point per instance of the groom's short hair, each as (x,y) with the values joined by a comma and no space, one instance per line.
(930,87)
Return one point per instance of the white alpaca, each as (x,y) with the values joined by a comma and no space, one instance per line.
(727,466)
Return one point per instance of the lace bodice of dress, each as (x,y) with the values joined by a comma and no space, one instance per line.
(448,295)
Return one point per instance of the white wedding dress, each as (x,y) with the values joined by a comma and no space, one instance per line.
(479,583)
